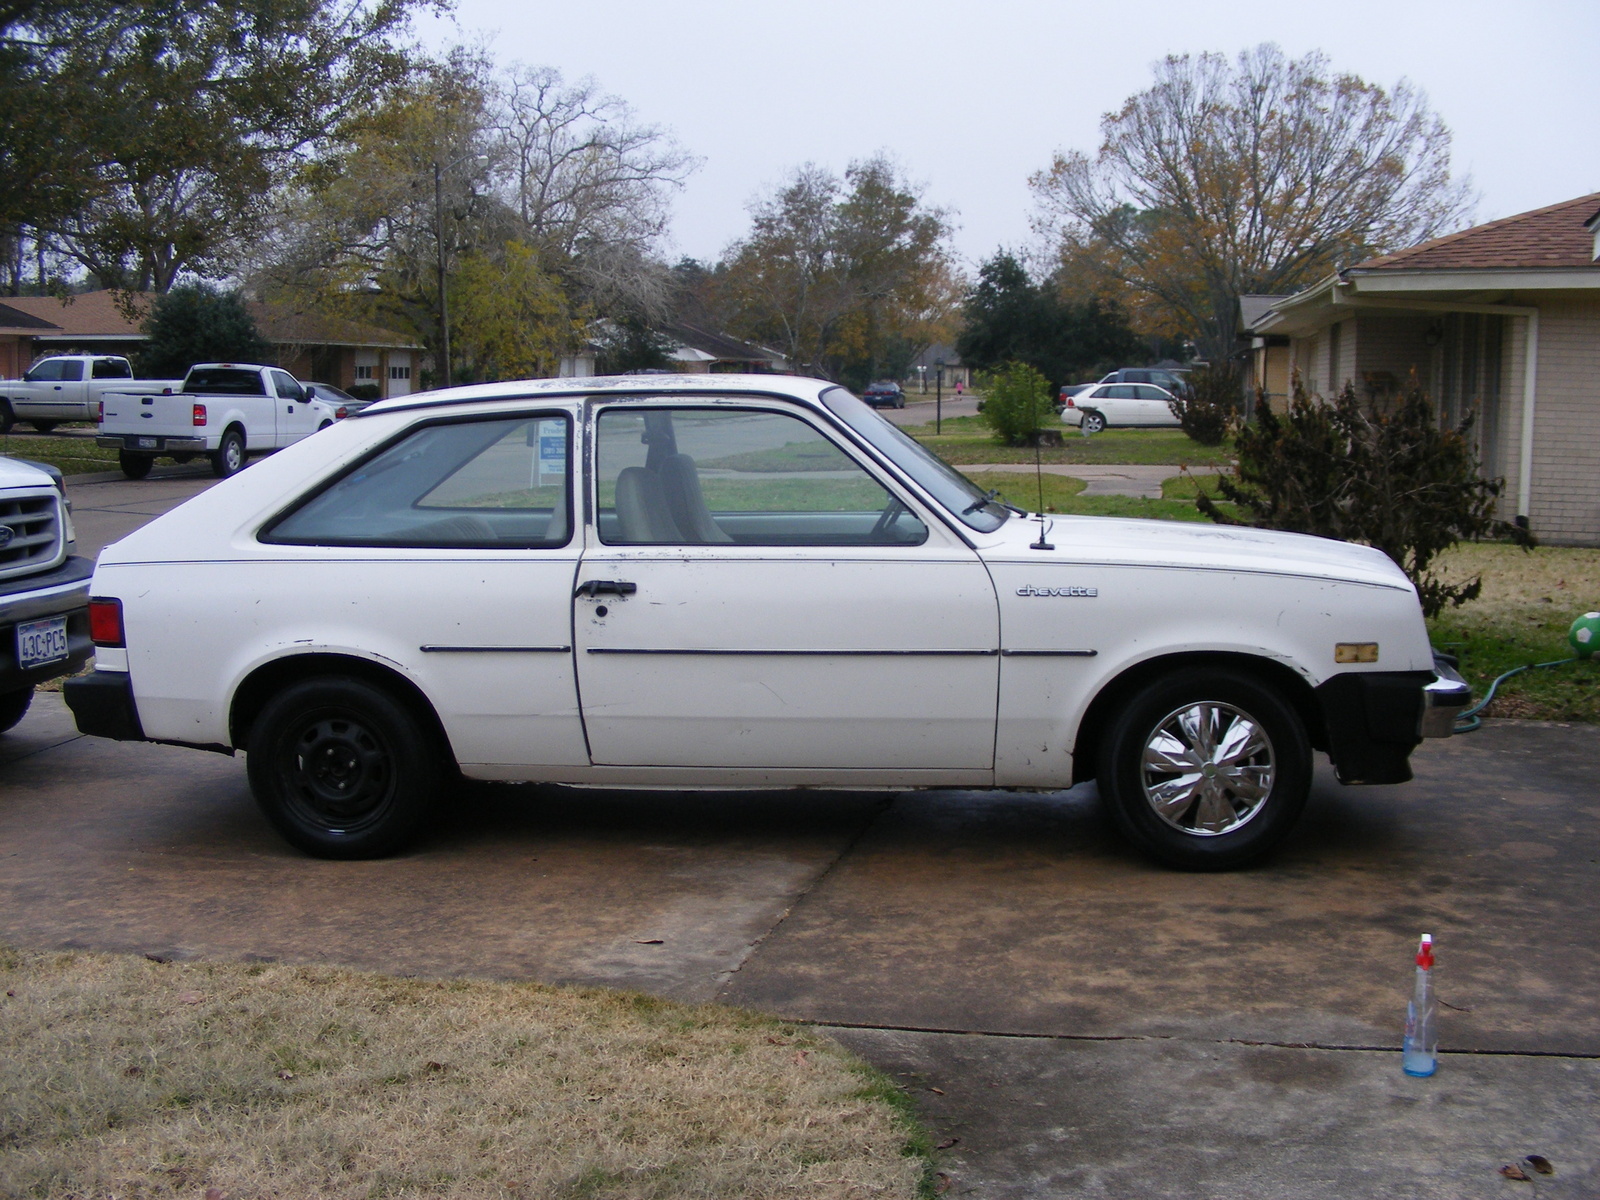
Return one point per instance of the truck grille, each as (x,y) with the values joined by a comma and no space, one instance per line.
(30,533)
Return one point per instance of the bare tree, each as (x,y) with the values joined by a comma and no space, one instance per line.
(1256,175)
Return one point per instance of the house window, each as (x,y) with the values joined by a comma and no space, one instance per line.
(399,372)
(363,372)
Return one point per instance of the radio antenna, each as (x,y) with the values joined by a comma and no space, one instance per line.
(1038,474)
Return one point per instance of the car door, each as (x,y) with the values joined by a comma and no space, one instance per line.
(296,416)
(751,597)
(60,389)
(1115,403)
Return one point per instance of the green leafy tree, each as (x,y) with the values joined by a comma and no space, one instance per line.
(196,323)
(1016,404)
(1008,317)
(166,121)
(511,317)
(1259,174)
(1391,477)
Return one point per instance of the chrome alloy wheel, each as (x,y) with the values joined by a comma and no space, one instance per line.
(1207,768)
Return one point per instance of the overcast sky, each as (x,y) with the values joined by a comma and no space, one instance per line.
(971,98)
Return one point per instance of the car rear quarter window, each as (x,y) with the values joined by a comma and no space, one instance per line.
(473,484)
(225,381)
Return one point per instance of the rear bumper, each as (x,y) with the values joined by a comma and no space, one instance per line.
(133,443)
(1375,719)
(102,704)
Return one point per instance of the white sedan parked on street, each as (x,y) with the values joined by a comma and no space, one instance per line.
(735,581)
(1093,409)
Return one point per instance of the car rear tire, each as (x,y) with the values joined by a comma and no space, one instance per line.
(135,466)
(7,417)
(228,458)
(1092,421)
(13,707)
(342,769)
(1206,769)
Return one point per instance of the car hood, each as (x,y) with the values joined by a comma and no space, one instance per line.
(14,474)
(1191,545)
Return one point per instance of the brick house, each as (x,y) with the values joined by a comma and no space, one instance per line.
(1504,317)
(308,346)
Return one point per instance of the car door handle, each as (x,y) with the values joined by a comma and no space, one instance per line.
(605,587)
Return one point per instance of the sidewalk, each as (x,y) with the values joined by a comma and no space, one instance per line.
(1104,479)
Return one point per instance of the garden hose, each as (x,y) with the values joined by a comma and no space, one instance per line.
(1583,637)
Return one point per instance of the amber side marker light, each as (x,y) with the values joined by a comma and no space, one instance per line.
(1355,652)
(105,621)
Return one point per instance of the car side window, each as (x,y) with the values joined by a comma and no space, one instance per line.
(110,368)
(724,476)
(483,484)
(286,386)
(1120,391)
(1146,392)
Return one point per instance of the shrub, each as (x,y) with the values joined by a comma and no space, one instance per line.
(1390,477)
(1211,404)
(197,323)
(1016,403)
(365,391)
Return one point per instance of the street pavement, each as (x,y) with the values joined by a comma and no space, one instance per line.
(1071,1020)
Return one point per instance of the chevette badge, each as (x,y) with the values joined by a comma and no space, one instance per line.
(1073,590)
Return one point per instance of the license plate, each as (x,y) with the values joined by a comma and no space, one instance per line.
(145,443)
(40,642)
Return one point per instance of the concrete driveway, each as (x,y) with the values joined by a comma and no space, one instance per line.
(1071,1020)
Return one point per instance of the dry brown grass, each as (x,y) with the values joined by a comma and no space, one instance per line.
(130,1078)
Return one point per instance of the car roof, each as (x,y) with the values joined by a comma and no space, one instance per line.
(790,387)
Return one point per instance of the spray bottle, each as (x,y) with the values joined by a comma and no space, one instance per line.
(1421,1053)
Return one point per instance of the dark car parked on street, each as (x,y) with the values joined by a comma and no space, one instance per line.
(885,392)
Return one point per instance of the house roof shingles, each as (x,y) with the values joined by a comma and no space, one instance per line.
(86,315)
(15,319)
(1553,237)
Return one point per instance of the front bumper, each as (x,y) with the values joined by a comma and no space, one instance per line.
(62,592)
(1375,719)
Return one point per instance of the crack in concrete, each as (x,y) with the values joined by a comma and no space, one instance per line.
(802,894)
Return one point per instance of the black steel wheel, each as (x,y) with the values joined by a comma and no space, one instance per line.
(342,769)
(13,707)
(1091,422)
(1206,769)
(228,458)
(135,466)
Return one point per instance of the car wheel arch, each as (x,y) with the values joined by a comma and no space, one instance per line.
(1102,710)
(269,678)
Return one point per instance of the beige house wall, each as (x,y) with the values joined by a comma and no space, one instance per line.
(1566,443)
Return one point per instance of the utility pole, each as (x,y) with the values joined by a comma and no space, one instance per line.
(938,397)
(444,301)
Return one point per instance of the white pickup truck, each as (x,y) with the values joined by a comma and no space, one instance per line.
(68,387)
(226,411)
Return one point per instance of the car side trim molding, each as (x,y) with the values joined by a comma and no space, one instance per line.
(803,653)
(1049,653)
(495,649)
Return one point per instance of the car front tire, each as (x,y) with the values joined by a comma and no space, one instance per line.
(342,769)
(1206,769)
(228,458)
(135,466)
(13,707)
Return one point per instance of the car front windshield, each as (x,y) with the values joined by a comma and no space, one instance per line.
(965,500)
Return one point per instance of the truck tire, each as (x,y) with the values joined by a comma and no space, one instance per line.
(135,466)
(44,426)
(228,458)
(7,417)
(13,707)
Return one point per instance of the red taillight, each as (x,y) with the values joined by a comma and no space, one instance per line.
(105,622)
(1071,403)
(341,412)
(99,410)
(199,414)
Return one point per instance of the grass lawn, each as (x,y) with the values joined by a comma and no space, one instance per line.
(128,1077)
(968,440)
(1529,600)
(75,456)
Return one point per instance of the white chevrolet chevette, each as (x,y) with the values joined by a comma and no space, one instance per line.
(736,581)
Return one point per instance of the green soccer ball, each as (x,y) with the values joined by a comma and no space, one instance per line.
(1585,634)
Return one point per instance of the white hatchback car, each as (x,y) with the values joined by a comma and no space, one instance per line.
(1093,409)
(735,581)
